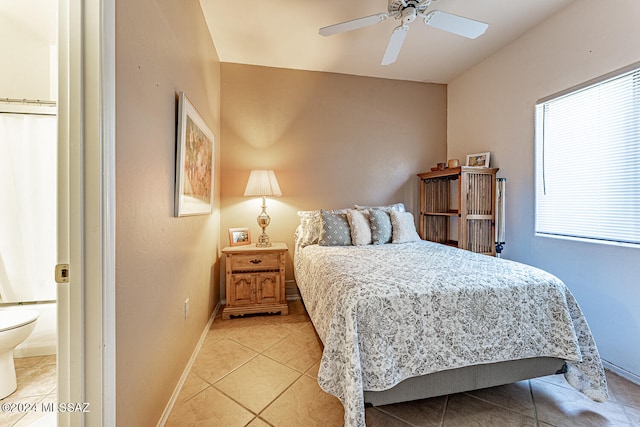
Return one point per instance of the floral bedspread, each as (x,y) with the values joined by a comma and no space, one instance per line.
(389,312)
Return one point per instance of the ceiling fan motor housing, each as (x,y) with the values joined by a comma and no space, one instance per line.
(407,9)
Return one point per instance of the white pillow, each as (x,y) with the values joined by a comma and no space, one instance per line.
(360,227)
(311,225)
(403,227)
(398,207)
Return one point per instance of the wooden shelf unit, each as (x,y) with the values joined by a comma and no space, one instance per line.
(475,211)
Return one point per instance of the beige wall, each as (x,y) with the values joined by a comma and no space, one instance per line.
(25,62)
(163,47)
(491,108)
(332,139)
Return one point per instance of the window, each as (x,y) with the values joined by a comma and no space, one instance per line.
(588,161)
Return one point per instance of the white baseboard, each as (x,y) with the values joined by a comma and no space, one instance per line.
(187,369)
(621,372)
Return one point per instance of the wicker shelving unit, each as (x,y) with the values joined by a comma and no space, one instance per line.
(474,211)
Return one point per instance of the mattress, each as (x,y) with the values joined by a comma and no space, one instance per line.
(390,312)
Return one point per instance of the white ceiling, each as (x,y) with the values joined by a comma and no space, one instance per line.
(284,34)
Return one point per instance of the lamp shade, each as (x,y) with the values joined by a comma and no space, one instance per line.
(262,183)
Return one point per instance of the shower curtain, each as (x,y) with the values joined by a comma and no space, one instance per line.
(28,211)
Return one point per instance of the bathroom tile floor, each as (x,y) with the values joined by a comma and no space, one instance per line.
(36,378)
(262,371)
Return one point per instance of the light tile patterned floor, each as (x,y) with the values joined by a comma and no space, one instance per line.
(36,378)
(262,371)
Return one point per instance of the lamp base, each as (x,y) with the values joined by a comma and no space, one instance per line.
(263,222)
(263,240)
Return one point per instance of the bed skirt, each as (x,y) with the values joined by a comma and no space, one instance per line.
(465,379)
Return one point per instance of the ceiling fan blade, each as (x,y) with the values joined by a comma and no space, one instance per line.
(395,44)
(353,25)
(456,24)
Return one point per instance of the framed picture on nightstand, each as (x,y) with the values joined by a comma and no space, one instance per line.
(239,236)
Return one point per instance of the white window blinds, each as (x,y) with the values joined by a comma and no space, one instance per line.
(588,161)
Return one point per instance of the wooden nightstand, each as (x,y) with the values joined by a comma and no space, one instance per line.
(255,280)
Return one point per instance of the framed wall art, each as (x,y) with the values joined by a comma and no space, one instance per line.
(239,236)
(194,162)
(479,160)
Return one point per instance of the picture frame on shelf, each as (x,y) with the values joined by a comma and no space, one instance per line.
(239,236)
(194,162)
(480,160)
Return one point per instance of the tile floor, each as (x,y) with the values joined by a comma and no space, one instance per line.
(36,378)
(261,371)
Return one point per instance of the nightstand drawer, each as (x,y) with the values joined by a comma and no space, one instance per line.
(256,261)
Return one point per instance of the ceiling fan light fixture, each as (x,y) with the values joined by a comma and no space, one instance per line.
(409,15)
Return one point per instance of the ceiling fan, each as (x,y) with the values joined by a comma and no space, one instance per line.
(407,11)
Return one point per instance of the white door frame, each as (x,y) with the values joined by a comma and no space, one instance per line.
(86,210)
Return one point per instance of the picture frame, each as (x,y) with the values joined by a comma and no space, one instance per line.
(479,160)
(195,149)
(239,236)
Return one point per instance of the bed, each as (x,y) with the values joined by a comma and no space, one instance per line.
(415,319)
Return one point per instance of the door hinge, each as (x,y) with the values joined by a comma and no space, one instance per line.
(62,273)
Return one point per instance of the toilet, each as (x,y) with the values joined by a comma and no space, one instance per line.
(15,327)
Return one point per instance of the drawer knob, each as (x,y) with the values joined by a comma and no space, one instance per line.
(255,261)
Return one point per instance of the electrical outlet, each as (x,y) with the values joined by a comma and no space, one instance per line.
(186,308)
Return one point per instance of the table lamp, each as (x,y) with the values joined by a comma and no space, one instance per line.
(263,183)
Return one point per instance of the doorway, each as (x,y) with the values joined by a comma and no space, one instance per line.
(85,86)
(86,210)
(28,146)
